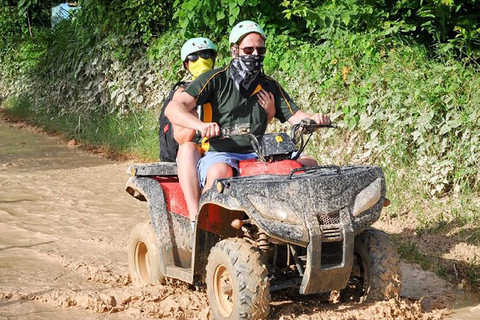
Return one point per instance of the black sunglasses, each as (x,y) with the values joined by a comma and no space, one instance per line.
(207,54)
(250,50)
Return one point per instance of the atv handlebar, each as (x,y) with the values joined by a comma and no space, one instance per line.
(241,129)
(306,126)
(238,129)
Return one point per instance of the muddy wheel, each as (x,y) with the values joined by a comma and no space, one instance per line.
(237,282)
(144,255)
(376,273)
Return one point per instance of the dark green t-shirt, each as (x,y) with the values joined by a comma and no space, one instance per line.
(223,104)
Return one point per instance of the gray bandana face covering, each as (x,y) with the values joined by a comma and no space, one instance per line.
(245,71)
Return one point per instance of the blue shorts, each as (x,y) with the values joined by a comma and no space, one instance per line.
(212,157)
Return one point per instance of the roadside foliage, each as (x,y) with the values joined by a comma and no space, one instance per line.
(399,77)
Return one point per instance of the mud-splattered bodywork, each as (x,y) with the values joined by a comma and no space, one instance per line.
(311,208)
(319,210)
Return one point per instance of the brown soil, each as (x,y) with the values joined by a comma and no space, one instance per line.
(64,225)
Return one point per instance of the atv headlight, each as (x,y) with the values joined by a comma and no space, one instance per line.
(274,209)
(368,197)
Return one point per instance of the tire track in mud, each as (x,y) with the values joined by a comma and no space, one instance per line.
(161,302)
(179,302)
(173,303)
(116,295)
(99,274)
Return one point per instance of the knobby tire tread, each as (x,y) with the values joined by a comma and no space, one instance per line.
(253,282)
(385,282)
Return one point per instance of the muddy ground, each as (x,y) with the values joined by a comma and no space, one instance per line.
(64,225)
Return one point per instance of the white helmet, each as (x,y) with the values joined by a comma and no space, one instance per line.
(195,45)
(243,28)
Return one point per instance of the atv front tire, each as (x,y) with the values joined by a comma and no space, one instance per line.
(376,273)
(237,281)
(144,255)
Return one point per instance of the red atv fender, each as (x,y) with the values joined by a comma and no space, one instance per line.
(157,184)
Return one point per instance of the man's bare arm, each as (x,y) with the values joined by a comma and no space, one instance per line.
(178,112)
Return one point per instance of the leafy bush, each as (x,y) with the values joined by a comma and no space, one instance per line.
(218,16)
(10,28)
(450,26)
(143,18)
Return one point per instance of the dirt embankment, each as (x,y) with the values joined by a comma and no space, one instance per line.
(64,225)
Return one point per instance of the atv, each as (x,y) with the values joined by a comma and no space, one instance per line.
(276,225)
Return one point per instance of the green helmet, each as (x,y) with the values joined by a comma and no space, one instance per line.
(243,28)
(195,45)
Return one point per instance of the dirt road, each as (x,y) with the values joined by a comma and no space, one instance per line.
(64,224)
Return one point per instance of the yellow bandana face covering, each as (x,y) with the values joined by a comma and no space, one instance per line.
(200,66)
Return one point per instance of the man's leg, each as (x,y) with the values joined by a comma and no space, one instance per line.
(307,161)
(187,159)
(217,165)
(217,171)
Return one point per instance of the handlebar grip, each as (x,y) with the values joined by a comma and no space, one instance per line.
(331,125)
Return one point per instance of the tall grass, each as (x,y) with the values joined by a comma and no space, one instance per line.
(133,134)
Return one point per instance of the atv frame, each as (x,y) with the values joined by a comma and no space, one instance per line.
(277,225)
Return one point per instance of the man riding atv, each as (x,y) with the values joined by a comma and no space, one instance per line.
(276,224)
(198,56)
(232,94)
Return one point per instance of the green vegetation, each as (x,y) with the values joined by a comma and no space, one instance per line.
(131,135)
(399,77)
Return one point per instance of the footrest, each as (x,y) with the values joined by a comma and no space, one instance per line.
(183,274)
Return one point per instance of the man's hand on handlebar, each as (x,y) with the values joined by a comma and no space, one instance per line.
(209,130)
(308,126)
(321,118)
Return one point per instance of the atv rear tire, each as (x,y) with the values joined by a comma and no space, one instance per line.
(376,273)
(237,281)
(144,255)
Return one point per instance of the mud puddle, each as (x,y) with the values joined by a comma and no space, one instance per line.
(64,225)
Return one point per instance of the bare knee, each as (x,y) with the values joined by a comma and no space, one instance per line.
(188,148)
(188,153)
(218,171)
(308,161)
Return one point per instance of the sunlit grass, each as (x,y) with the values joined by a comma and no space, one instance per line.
(133,134)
